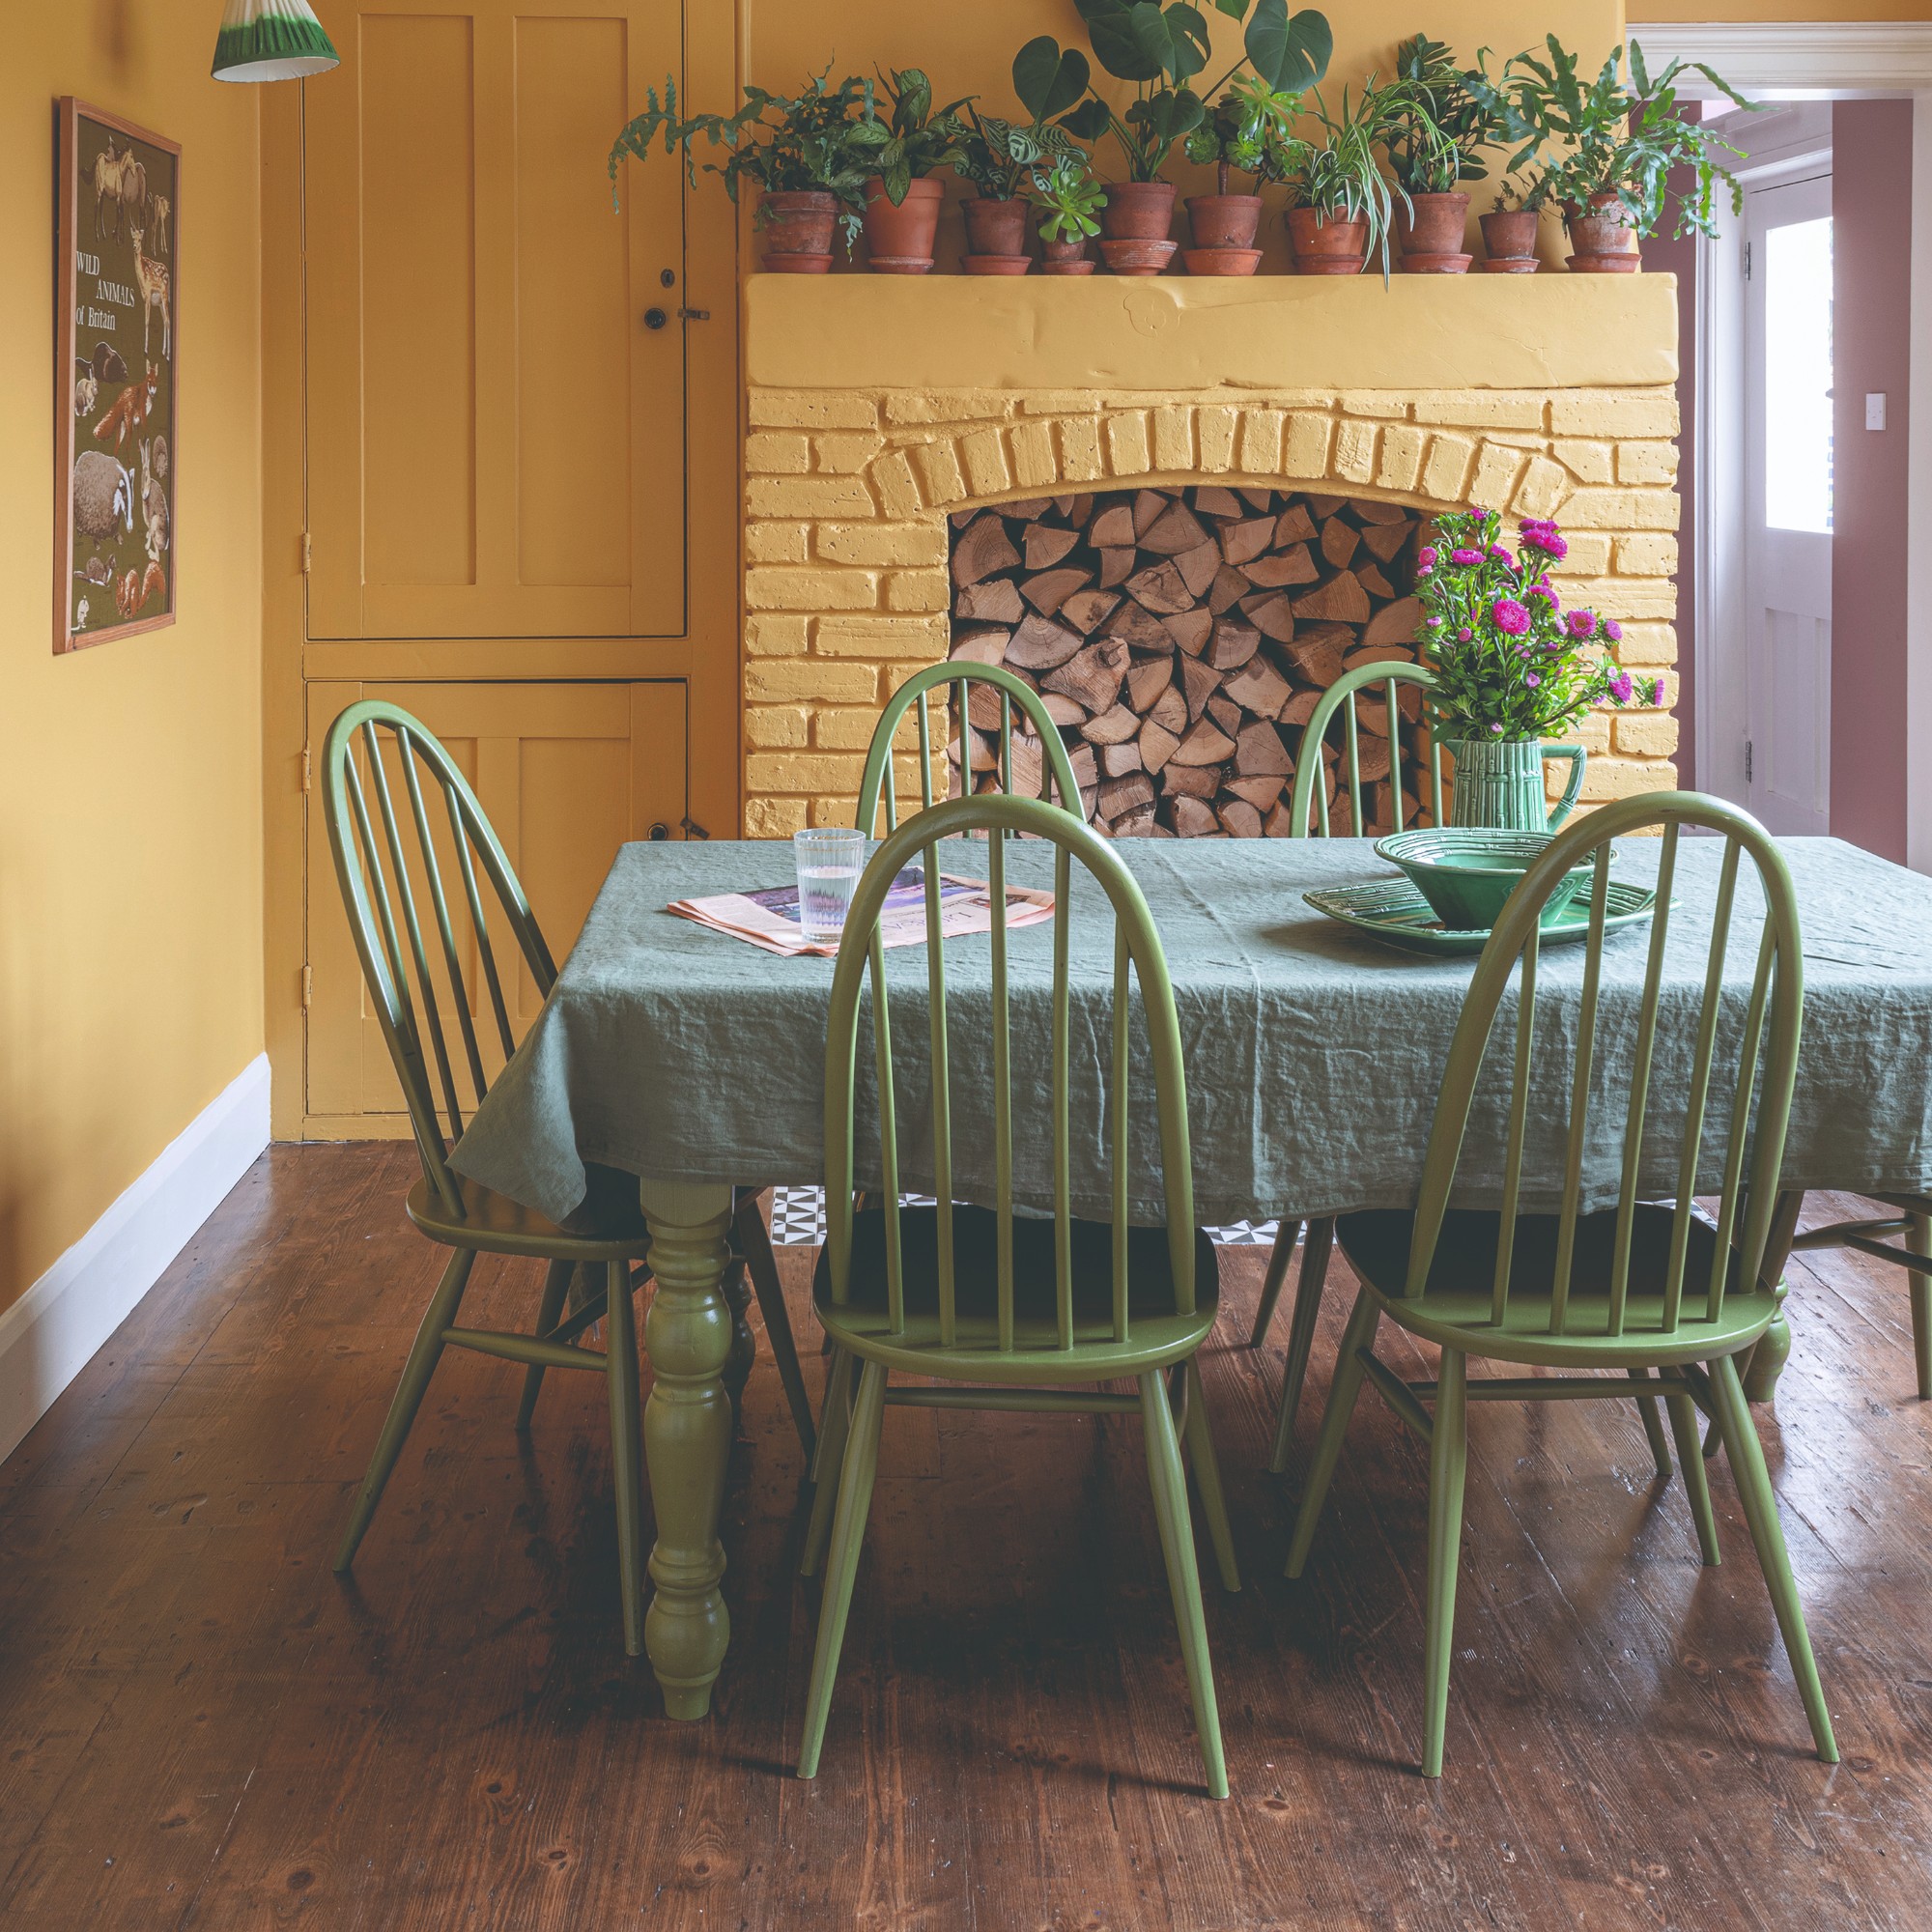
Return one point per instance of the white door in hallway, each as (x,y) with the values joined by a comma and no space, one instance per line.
(1788,503)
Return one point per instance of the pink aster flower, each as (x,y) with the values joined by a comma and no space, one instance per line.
(1543,536)
(1530,678)
(1465,558)
(1614,631)
(1426,556)
(1464,637)
(1510,618)
(1500,555)
(1548,595)
(1622,686)
(1582,623)
(1657,691)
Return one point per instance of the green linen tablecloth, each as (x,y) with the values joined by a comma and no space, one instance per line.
(1313,1053)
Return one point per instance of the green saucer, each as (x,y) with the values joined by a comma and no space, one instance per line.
(1396,913)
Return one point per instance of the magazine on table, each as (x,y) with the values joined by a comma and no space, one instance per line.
(770,918)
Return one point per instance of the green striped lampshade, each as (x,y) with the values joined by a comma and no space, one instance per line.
(271,39)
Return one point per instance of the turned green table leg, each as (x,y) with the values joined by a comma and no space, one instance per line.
(688,1336)
(1774,1348)
(737,1292)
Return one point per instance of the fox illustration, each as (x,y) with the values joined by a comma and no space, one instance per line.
(130,410)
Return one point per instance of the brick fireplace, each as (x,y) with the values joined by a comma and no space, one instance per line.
(881,408)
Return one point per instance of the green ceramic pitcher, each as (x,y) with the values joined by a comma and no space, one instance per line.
(1499,783)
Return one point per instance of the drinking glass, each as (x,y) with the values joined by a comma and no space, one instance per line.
(829,861)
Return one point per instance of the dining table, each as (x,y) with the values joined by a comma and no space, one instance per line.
(694,1061)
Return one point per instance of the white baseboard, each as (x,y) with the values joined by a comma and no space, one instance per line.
(48,1336)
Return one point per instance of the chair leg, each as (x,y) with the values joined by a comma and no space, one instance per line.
(550,1310)
(833,1424)
(855,1499)
(424,1352)
(620,1349)
(1919,1239)
(1286,1235)
(1760,1508)
(1346,1386)
(1314,1278)
(1207,1479)
(754,1238)
(1653,1426)
(1696,1483)
(1177,1542)
(1448,1463)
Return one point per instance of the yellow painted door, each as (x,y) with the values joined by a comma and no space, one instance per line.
(567,773)
(495,429)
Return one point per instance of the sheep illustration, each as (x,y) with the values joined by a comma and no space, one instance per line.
(104,497)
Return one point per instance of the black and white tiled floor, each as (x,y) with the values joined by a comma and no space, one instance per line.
(798,1220)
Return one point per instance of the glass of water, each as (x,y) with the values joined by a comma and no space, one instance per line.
(829,861)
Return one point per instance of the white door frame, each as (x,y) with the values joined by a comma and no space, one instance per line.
(1849,59)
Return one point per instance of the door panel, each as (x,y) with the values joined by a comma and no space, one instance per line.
(496,439)
(566,773)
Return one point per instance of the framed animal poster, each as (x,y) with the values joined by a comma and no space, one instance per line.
(117,449)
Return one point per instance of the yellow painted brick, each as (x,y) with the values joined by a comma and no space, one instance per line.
(1648,734)
(1623,597)
(837,730)
(1541,493)
(772,726)
(959,406)
(1447,466)
(1647,556)
(1587,462)
(898,494)
(807,496)
(1354,458)
(1593,732)
(774,817)
(1613,412)
(771,588)
(836,810)
(1589,553)
(882,546)
(1481,408)
(917,590)
(911,636)
(810,681)
(1079,439)
(1215,426)
(1307,444)
(1127,452)
(1036,466)
(846,452)
(1496,466)
(1060,402)
(803,770)
(810,409)
(1174,439)
(986,470)
(1402,457)
(1648,645)
(1624,778)
(1383,404)
(772,636)
(776,543)
(1259,444)
(1623,510)
(937,466)
(778,453)
(1646,463)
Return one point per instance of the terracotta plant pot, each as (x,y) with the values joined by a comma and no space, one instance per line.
(1066,257)
(995,231)
(1130,257)
(1509,240)
(1429,234)
(1137,212)
(1221,223)
(1221,261)
(996,265)
(898,241)
(1602,238)
(797,228)
(1327,247)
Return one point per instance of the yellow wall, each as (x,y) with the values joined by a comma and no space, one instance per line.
(1640,10)
(130,784)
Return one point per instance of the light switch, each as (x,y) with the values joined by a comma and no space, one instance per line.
(1875,410)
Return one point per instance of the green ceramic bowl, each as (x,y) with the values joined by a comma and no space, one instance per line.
(1466,872)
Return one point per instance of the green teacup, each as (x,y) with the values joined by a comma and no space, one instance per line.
(1467,873)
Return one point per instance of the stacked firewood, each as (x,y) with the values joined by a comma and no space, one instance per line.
(1181,640)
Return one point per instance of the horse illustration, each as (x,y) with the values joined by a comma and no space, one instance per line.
(120,179)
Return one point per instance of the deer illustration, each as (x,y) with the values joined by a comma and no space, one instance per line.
(160,208)
(150,277)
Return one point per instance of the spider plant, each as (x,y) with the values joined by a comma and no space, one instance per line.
(1339,175)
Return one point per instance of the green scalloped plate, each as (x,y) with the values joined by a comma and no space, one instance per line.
(1394,911)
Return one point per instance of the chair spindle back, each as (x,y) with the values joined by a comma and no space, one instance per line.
(1311,767)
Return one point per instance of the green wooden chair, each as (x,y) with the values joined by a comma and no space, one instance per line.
(955,679)
(1880,1240)
(385,865)
(1005,1313)
(1643,1292)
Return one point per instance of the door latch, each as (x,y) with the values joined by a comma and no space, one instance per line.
(693,830)
(693,315)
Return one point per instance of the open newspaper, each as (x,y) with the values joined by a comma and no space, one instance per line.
(771,918)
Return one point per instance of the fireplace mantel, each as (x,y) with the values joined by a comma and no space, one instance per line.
(881,407)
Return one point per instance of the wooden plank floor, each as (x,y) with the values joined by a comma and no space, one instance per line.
(205,1728)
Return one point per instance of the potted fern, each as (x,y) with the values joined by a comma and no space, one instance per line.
(901,196)
(1437,128)
(794,149)
(1069,201)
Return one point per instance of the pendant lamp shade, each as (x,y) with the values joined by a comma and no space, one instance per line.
(271,39)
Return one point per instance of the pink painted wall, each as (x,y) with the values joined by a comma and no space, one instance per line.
(1871,214)
(1663,255)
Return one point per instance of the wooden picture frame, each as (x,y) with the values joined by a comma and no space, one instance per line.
(116,455)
